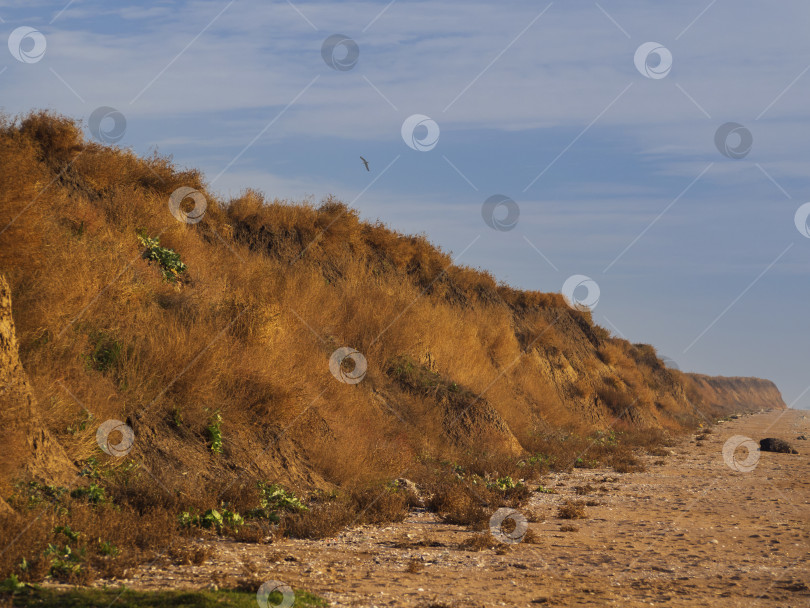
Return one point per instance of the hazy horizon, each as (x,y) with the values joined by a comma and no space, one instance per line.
(618,175)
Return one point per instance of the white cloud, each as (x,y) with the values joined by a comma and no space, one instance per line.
(564,70)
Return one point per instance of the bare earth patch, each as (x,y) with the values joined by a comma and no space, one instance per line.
(688,532)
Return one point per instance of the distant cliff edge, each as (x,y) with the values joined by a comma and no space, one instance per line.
(735,393)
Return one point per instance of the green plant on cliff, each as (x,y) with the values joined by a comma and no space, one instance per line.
(274,498)
(214,431)
(106,353)
(218,520)
(171,266)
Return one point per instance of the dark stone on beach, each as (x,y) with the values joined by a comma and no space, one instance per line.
(771,444)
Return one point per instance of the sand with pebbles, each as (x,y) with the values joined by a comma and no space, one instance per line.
(689,531)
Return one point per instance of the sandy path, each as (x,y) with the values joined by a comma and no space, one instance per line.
(688,532)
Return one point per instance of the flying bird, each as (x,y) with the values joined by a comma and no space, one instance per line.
(365,162)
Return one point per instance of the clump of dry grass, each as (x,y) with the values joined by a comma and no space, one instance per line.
(531,537)
(364,506)
(462,506)
(533,515)
(253,532)
(185,556)
(320,521)
(571,509)
(627,463)
(380,506)
(568,528)
(407,543)
(480,542)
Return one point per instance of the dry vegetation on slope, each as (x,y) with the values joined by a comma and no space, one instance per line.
(221,366)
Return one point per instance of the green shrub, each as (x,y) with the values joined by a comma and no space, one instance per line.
(106,352)
(35,494)
(215,432)
(93,493)
(503,484)
(64,561)
(218,520)
(171,266)
(11,585)
(68,532)
(274,498)
(580,463)
(107,548)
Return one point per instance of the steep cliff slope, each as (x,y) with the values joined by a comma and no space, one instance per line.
(727,395)
(209,328)
(28,451)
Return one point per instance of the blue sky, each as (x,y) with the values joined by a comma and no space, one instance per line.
(617,176)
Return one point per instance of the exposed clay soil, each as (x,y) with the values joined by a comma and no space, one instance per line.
(689,531)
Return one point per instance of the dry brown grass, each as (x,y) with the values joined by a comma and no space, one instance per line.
(575,447)
(533,515)
(480,542)
(367,506)
(271,290)
(321,521)
(627,463)
(459,505)
(532,538)
(103,541)
(572,509)
(188,556)
(379,506)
